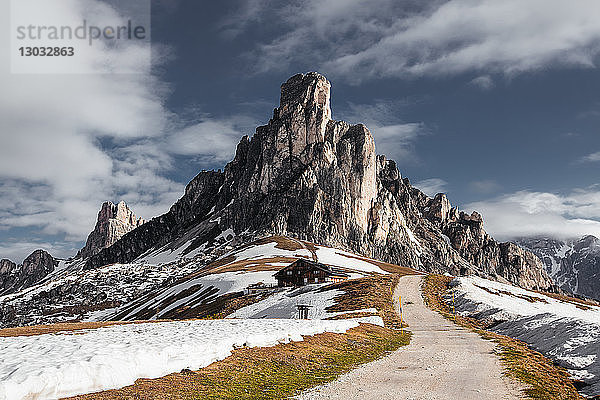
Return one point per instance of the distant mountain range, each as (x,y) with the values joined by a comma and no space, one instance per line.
(573,264)
(114,221)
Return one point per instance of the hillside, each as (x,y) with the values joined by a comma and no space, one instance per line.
(564,329)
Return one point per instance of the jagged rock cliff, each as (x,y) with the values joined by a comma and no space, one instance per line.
(573,264)
(306,175)
(35,267)
(114,221)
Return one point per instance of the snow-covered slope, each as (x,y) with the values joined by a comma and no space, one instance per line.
(52,366)
(236,270)
(283,304)
(169,283)
(172,286)
(567,331)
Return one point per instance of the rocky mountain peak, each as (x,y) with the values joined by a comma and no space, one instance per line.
(311,92)
(6,266)
(293,137)
(34,268)
(114,221)
(587,242)
(307,176)
(441,210)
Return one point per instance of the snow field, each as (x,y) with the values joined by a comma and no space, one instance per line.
(226,282)
(471,288)
(568,334)
(283,305)
(58,365)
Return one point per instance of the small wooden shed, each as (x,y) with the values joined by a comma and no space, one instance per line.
(303,272)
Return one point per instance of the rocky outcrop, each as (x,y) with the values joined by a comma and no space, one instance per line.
(35,267)
(114,221)
(465,233)
(187,216)
(308,176)
(573,264)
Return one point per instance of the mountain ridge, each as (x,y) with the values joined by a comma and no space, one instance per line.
(574,264)
(307,176)
(113,221)
(34,268)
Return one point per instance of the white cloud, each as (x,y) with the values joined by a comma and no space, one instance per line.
(528,213)
(357,39)
(431,186)
(70,142)
(594,157)
(484,82)
(209,140)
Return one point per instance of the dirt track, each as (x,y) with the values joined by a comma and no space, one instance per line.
(443,361)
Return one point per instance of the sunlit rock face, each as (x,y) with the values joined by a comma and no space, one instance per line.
(114,221)
(308,176)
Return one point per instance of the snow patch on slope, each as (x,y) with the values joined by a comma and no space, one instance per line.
(58,365)
(344,259)
(563,331)
(283,304)
(267,250)
(226,282)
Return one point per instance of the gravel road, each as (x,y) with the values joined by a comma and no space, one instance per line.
(443,361)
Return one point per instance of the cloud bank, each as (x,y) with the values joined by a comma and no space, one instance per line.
(527,213)
(383,38)
(70,142)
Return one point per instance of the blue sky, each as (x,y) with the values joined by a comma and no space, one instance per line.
(494,103)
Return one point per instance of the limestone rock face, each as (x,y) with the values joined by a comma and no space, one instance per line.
(303,173)
(114,221)
(314,178)
(35,267)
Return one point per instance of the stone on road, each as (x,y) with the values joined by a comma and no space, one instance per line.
(442,361)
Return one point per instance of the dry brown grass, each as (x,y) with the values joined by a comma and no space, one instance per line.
(64,327)
(374,291)
(351,314)
(387,267)
(579,303)
(286,243)
(269,372)
(544,380)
